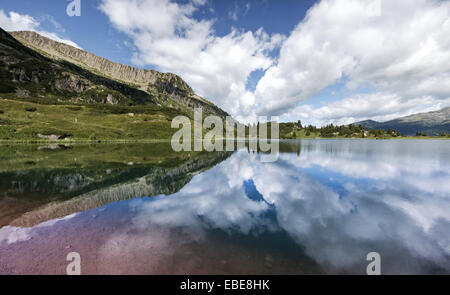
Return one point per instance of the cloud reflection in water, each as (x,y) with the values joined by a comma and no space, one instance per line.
(400,209)
(321,207)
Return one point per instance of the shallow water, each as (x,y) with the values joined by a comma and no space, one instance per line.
(141,209)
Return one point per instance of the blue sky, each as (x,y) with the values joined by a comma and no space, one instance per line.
(93,32)
(349,60)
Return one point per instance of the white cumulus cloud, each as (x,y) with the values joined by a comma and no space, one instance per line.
(14,21)
(379,106)
(168,37)
(401,50)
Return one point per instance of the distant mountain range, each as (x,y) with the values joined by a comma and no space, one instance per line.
(432,123)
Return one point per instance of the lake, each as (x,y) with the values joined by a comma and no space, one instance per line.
(143,209)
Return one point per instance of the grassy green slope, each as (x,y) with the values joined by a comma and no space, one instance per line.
(47,97)
(21,120)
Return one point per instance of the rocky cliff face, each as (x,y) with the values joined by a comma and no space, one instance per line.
(165,88)
(26,73)
(85,59)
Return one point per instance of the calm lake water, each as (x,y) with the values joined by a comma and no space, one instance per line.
(142,209)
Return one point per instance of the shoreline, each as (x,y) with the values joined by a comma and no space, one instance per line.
(124,141)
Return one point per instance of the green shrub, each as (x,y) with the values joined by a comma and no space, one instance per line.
(31,109)
(75,108)
(7,87)
(4,122)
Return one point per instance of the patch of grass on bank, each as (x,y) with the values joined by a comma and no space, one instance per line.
(22,120)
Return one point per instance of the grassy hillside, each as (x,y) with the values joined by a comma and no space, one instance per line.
(43,98)
(297,131)
(46,68)
(25,73)
(21,120)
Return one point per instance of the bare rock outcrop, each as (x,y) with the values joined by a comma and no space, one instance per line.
(72,83)
(138,85)
(99,64)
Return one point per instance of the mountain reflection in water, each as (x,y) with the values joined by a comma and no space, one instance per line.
(320,208)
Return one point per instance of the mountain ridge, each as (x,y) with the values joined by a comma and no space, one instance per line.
(26,73)
(44,98)
(431,123)
(81,57)
(165,89)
